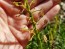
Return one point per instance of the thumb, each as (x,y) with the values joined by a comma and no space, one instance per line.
(21,38)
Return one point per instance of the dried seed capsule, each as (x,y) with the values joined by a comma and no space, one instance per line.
(45,38)
(24,29)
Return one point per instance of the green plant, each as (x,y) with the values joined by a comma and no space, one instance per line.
(51,37)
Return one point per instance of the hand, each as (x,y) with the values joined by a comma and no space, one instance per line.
(11,25)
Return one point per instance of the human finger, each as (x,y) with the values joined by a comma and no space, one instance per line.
(18,21)
(47,17)
(10,9)
(34,3)
(44,7)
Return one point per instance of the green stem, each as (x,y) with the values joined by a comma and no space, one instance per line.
(33,22)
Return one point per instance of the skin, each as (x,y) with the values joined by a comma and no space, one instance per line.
(10,25)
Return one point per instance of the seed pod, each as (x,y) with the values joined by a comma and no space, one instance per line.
(45,38)
(24,29)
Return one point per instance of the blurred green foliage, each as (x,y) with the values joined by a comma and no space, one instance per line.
(55,33)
